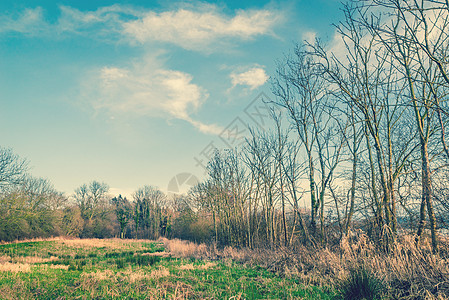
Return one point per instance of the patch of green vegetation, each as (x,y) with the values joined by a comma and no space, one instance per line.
(135,270)
(40,248)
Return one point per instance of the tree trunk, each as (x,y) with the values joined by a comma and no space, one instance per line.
(427,195)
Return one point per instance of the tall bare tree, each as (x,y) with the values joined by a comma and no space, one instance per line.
(301,90)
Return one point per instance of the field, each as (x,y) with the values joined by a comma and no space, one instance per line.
(138,269)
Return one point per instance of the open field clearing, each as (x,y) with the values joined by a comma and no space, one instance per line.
(136,269)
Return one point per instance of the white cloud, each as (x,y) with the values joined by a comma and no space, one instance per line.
(309,36)
(206,128)
(253,78)
(147,89)
(337,47)
(195,29)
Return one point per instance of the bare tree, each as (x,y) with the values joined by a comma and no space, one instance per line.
(41,194)
(227,189)
(12,169)
(91,199)
(371,85)
(300,88)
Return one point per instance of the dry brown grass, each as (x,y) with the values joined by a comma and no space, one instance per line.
(15,267)
(33,259)
(161,254)
(93,243)
(5,258)
(160,272)
(186,267)
(112,243)
(61,267)
(180,248)
(116,284)
(206,266)
(190,266)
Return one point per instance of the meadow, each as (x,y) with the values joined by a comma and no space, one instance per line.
(140,269)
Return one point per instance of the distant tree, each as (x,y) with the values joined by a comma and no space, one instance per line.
(96,210)
(185,218)
(123,211)
(149,202)
(13,222)
(42,194)
(72,222)
(27,210)
(90,198)
(39,195)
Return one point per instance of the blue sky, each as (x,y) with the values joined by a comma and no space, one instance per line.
(134,92)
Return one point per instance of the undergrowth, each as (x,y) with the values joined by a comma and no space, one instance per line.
(356,268)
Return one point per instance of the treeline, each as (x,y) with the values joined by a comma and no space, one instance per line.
(31,207)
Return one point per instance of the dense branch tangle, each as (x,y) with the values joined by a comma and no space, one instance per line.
(356,126)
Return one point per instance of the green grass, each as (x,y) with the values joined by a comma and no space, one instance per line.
(132,270)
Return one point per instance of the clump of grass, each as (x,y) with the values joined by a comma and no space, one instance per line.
(120,263)
(142,260)
(76,266)
(126,253)
(72,267)
(361,284)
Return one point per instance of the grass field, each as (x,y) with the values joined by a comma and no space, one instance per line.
(136,269)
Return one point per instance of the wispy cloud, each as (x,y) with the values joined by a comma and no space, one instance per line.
(106,22)
(195,29)
(29,21)
(253,78)
(147,89)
